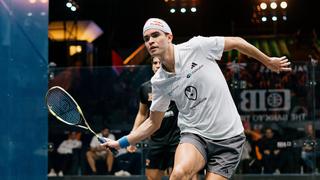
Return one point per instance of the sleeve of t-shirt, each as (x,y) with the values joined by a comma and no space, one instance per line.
(160,101)
(212,47)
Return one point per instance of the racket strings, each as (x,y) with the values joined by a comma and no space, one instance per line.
(63,106)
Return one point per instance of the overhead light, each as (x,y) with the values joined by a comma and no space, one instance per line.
(172,10)
(69,4)
(193,9)
(73,8)
(264,19)
(284,18)
(263,6)
(183,10)
(273,5)
(72,5)
(269,10)
(274,18)
(283,4)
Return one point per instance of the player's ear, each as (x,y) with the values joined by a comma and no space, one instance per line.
(170,37)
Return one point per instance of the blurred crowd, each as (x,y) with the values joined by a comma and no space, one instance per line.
(266,151)
(76,153)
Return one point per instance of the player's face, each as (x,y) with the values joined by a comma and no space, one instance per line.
(156,41)
(155,64)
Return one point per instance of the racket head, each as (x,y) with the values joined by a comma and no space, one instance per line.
(62,105)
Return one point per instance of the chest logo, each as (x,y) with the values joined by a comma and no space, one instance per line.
(193,64)
(194,69)
(191,93)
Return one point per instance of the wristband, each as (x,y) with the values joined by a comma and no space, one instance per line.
(123,142)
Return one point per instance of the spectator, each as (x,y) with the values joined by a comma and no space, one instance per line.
(254,136)
(67,157)
(309,153)
(97,152)
(125,163)
(270,152)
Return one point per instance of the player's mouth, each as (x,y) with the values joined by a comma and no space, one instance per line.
(153,48)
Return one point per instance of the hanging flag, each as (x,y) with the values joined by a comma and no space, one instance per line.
(117,62)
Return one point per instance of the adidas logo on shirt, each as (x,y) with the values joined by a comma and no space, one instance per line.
(193,65)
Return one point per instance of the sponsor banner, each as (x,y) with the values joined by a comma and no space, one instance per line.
(269,105)
(265,100)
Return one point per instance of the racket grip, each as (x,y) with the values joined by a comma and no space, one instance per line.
(113,150)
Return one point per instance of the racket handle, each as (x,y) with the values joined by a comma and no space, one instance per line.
(113,150)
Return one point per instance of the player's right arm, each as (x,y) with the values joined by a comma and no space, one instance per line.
(140,118)
(147,128)
(160,104)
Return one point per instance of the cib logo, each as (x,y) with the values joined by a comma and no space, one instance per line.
(265,100)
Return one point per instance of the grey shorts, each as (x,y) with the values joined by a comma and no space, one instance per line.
(222,156)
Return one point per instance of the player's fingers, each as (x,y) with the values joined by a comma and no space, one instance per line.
(284,61)
(283,57)
(286,69)
(285,64)
(105,144)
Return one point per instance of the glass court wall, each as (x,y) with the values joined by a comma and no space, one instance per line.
(23,83)
(280,112)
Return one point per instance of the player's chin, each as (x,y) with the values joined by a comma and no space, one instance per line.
(154,52)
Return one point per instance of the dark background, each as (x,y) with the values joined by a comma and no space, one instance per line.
(122,20)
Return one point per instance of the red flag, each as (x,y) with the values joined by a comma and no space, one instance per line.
(117,62)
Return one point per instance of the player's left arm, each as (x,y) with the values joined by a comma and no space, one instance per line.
(276,64)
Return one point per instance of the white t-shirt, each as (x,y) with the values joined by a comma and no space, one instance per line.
(68,145)
(96,143)
(199,89)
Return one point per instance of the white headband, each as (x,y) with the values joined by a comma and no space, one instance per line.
(155,23)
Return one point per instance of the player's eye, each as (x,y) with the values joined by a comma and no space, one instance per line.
(146,38)
(155,35)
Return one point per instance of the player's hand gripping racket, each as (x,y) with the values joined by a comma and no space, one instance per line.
(61,104)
